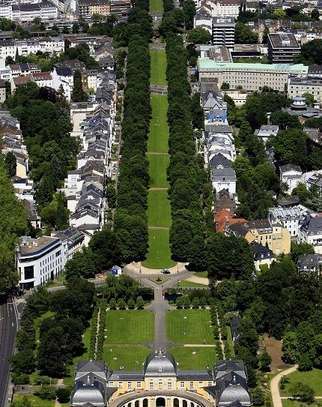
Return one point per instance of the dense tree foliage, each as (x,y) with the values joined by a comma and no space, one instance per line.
(45,124)
(311,52)
(229,256)
(244,35)
(123,287)
(188,194)
(12,224)
(199,35)
(78,94)
(131,219)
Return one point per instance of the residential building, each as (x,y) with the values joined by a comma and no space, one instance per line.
(23,69)
(313,179)
(120,8)
(300,86)
(290,176)
(39,260)
(27,12)
(223,31)
(161,383)
(291,218)
(214,108)
(220,8)
(249,76)
(88,8)
(282,48)
(219,139)
(62,78)
(311,232)
(42,79)
(224,179)
(310,263)
(267,131)
(262,255)
(275,238)
(3,91)
(72,241)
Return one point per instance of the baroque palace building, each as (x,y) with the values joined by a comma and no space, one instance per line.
(161,384)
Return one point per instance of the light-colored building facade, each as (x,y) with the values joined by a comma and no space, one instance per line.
(300,86)
(161,384)
(39,260)
(252,76)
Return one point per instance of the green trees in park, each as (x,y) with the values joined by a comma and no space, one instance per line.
(311,52)
(45,124)
(199,36)
(244,35)
(78,94)
(188,194)
(13,223)
(130,218)
(60,332)
(237,264)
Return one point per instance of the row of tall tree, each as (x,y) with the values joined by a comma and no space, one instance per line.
(12,224)
(186,175)
(131,218)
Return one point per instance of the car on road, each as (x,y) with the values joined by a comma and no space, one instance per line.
(165,271)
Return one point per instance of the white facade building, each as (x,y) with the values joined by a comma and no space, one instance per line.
(39,260)
(252,76)
(290,218)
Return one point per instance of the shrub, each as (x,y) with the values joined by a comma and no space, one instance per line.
(63,395)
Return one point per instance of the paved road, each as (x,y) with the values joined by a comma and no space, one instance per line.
(275,385)
(8,330)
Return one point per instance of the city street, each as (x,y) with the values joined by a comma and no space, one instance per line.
(8,329)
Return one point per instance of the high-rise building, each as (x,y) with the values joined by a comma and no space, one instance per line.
(282,48)
(223,31)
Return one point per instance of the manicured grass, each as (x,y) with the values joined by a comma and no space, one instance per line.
(159,131)
(35,401)
(158,66)
(201,274)
(38,321)
(159,212)
(295,403)
(122,357)
(158,165)
(129,327)
(159,255)
(194,358)
(313,378)
(190,284)
(189,327)
(156,6)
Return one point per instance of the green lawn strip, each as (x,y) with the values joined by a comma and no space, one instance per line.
(129,327)
(201,274)
(194,358)
(159,131)
(189,327)
(159,212)
(35,401)
(156,6)
(159,255)
(295,403)
(313,378)
(190,284)
(158,165)
(39,320)
(125,357)
(158,67)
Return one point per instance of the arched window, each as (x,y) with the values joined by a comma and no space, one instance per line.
(137,403)
(184,403)
(160,402)
(175,402)
(145,403)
